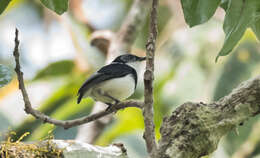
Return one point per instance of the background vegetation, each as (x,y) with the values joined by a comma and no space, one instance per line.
(57,56)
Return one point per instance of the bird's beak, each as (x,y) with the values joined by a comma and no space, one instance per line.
(142,58)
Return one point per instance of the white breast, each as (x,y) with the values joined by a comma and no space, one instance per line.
(119,88)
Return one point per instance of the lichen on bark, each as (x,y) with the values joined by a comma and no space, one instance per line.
(194,129)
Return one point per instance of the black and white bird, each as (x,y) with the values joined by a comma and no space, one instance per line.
(114,82)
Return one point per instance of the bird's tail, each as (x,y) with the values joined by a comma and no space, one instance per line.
(79,97)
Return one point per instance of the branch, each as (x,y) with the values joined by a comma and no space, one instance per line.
(132,24)
(66,124)
(194,129)
(149,134)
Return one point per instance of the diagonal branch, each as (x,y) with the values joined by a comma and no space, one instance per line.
(66,124)
(149,134)
(115,44)
(132,24)
(194,129)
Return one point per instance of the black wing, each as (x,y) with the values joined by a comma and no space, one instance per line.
(107,72)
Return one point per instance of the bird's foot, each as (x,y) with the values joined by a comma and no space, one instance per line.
(110,105)
(116,101)
(108,96)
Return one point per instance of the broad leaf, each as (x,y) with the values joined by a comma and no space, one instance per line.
(239,16)
(5,75)
(3,5)
(198,11)
(56,69)
(59,6)
(224,4)
(256,28)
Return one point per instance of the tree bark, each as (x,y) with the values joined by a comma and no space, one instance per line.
(194,129)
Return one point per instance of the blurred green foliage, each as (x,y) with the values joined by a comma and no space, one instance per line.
(164,15)
(185,68)
(59,6)
(5,75)
(238,68)
(3,5)
(256,28)
(56,69)
(127,121)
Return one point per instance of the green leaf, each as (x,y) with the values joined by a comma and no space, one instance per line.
(5,75)
(3,5)
(239,15)
(59,6)
(224,4)
(59,68)
(256,28)
(198,11)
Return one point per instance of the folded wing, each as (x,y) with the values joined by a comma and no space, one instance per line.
(114,70)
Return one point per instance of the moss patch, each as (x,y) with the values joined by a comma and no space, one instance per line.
(18,149)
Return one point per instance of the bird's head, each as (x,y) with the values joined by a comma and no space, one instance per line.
(129,59)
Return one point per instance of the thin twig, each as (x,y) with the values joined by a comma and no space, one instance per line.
(149,134)
(69,123)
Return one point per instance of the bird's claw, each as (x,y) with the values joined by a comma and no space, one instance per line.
(110,106)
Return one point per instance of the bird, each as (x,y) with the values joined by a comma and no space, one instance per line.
(114,82)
